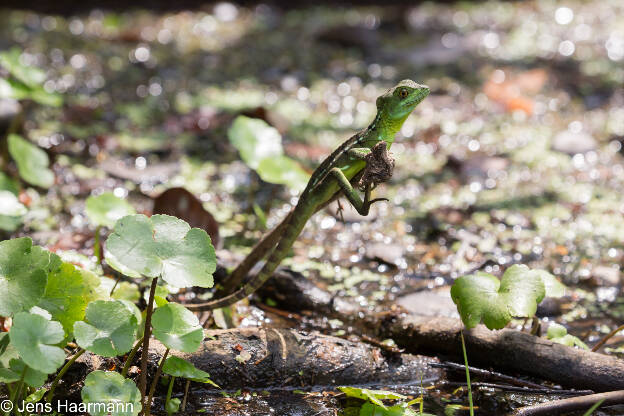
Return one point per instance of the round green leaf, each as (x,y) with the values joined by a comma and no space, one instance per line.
(109,393)
(255,140)
(177,328)
(106,209)
(32,162)
(284,171)
(177,367)
(68,292)
(109,329)
(482,297)
(554,288)
(172,406)
(34,337)
(164,246)
(22,280)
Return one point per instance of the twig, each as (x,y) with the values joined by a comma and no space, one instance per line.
(572,404)
(508,387)
(489,374)
(606,338)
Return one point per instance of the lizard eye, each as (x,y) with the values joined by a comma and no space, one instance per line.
(403,93)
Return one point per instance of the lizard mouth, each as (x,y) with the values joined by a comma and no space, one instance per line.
(417,98)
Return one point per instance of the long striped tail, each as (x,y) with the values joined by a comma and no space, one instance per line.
(298,220)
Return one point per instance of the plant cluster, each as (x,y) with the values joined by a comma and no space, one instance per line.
(53,305)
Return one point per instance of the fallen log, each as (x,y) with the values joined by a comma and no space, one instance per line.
(271,358)
(506,349)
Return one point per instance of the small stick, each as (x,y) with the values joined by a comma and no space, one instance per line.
(606,338)
(489,374)
(508,387)
(572,404)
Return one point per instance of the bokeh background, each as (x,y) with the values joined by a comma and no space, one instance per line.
(515,157)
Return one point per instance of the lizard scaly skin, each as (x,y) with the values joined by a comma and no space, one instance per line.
(331,178)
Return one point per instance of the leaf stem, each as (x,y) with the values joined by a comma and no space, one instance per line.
(61,373)
(461,333)
(186,390)
(152,389)
(96,245)
(18,390)
(146,339)
(169,390)
(126,367)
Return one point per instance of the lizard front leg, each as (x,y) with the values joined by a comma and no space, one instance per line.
(362,207)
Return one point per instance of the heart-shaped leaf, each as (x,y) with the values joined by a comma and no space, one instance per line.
(164,246)
(106,209)
(255,140)
(177,367)
(109,329)
(374,396)
(554,288)
(482,296)
(68,292)
(260,147)
(34,338)
(32,162)
(177,328)
(559,334)
(22,280)
(111,393)
(283,170)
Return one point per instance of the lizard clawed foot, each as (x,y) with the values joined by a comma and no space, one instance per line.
(372,201)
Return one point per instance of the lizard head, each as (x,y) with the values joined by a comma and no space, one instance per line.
(398,102)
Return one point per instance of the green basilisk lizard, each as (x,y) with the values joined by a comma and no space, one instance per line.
(336,175)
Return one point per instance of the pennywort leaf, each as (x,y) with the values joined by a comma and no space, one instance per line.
(177,328)
(165,246)
(482,297)
(109,328)
(111,388)
(22,276)
(34,338)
